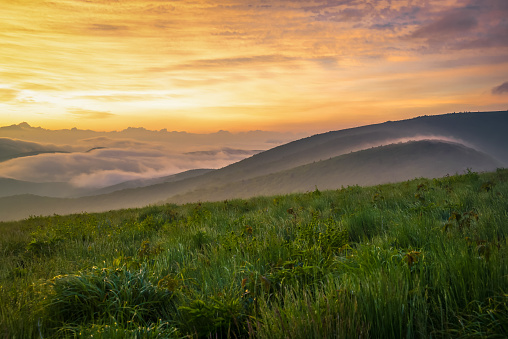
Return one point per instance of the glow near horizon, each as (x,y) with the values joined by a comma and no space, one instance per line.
(273,65)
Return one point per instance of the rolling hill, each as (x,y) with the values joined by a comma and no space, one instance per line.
(484,132)
(429,146)
(383,164)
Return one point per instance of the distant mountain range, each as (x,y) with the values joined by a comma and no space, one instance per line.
(428,146)
(186,141)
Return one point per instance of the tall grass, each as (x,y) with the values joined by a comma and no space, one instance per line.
(423,258)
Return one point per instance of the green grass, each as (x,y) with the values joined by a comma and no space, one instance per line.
(418,259)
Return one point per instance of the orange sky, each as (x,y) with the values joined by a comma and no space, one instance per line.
(202,66)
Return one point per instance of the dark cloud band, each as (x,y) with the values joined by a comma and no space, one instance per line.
(501,89)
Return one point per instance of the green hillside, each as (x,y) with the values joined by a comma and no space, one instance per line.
(418,259)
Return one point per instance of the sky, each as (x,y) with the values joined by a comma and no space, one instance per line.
(279,65)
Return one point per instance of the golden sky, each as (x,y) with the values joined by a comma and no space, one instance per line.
(287,65)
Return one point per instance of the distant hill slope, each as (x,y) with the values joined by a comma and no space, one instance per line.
(54,189)
(391,163)
(10,149)
(485,131)
(367,167)
(9,187)
(154,181)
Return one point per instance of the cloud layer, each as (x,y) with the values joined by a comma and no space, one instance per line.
(93,159)
(105,167)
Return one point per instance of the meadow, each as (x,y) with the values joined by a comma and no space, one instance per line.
(426,258)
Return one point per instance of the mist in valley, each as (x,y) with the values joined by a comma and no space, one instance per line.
(71,163)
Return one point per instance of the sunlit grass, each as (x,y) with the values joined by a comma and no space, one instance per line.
(423,258)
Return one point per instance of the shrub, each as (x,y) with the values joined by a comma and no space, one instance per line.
(220,316)
(128,298)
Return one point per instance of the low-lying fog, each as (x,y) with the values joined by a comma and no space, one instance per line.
(99,159)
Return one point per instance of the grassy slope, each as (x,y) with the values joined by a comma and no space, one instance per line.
(415,259)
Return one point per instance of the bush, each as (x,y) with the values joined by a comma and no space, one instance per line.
(128,298)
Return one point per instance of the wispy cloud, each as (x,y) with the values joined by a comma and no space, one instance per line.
(90,114)
(501,89)
(475,24)
(106,27)
(255,60)
(7,94)
(458,22)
